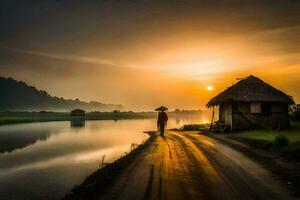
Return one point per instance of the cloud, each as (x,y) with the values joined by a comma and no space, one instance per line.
(82,59)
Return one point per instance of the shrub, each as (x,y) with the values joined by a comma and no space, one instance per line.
(191,127)
(280,141)
(294,112)
(194,127)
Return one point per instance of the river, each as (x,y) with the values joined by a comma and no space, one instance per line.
(45,160)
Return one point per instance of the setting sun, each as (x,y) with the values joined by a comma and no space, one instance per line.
(210,88)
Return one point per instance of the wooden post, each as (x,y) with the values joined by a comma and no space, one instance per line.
(212,119)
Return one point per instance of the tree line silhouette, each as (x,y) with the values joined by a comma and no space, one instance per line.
(18,96)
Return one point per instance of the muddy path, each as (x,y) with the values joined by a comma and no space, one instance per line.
(194,166)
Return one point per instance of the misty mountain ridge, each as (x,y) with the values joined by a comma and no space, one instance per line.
(18,96)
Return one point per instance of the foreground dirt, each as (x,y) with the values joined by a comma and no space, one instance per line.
(194,166)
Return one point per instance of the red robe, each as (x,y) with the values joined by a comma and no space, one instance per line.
(162,119)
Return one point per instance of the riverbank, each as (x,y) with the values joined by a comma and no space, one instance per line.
(100,181)
(27,117)
(183,165)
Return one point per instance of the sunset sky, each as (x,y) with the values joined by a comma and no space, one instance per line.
(145,53)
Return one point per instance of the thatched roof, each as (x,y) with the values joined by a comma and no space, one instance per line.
(251,89)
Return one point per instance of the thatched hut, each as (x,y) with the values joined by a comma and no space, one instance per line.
(252,104)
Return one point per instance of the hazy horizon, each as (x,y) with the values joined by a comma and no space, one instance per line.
(142,54)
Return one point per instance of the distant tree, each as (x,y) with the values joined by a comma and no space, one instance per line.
(177,110)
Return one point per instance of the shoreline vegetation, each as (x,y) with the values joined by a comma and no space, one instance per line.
(8,117)
(193,127)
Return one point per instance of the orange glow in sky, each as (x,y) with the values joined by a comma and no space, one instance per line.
(175,55)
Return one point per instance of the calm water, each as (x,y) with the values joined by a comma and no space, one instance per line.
(45,160)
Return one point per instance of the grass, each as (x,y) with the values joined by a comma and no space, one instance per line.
(193,127)
(273,141)
(293,134)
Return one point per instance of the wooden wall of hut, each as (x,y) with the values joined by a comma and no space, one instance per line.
(225,114)
(240,117)
(280,116)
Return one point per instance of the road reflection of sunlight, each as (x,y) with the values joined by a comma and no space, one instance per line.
(204,140)
(205,163)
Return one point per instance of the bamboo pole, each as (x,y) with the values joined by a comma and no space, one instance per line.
(212,119)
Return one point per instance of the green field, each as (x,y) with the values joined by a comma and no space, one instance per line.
(293,134)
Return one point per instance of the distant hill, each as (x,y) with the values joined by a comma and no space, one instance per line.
(18,96)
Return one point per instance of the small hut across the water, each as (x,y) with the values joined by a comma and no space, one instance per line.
(77,113)
(252,104)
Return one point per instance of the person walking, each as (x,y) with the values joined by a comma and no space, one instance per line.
(162,119)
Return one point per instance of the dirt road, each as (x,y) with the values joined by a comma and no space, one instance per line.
(194,166)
